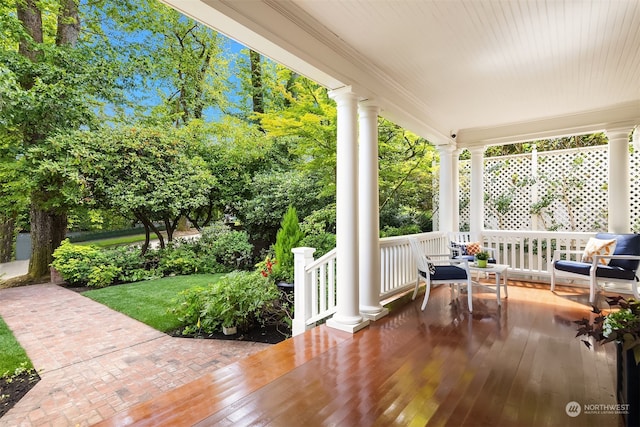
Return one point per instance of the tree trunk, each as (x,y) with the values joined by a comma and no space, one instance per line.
(183,224)
(7,238)
(68,24)
(256,82)
(48,229)
(158,233)
(169,228)
(31,18)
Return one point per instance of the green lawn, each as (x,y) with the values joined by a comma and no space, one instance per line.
(12,355)
(150,301)
(115,241)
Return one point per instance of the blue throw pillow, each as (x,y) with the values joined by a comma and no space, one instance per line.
(626,244)
(461,248)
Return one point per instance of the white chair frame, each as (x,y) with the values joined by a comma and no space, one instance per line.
(592,278)
(438,260)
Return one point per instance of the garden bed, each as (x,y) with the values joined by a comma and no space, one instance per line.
(12,389)
(269,334)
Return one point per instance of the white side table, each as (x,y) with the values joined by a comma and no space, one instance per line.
(500,270)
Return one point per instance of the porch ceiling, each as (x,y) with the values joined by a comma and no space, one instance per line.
(489,71)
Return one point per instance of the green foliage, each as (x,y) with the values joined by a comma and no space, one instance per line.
(239,299)
(308,121)
(405,173)
(12,356)
(219,250)
(272,193)
(589,140)
(180,259)
(95,267)
(75,262)
(400,231)
(322,220)
(289,236)
(322,243)
(146,173)
(103,275)
(227,247)
(152,301)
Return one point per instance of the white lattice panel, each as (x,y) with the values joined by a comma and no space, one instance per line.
(574,182)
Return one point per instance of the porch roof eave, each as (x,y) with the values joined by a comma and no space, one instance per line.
(310,40)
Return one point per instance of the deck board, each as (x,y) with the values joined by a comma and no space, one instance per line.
(518,365)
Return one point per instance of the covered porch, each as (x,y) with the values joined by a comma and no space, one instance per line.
(518,365)
(464,75)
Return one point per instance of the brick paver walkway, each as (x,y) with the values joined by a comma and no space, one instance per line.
(93,361)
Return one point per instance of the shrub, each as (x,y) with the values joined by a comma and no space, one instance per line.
(227,247)
(133,266)
(103,275)
(180,259)
(75,262)
(400,231)
(323,243)
(239,299)
(273,192)
(289,236)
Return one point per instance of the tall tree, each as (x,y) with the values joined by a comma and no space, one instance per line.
(48,226)
(182,69)
(146,173)
(51,84)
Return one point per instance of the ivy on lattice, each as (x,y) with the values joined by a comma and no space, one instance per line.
(567,192)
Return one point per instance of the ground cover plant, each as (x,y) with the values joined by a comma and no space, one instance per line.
(151,301)
(241,299)
(175,305)
(17,375)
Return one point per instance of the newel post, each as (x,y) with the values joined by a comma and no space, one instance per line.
(301,289)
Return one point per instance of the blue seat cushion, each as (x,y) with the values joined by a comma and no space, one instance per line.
(607,271)
(447,272)
(626,244)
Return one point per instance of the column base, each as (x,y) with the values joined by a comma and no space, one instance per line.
(351,327)
(374,313)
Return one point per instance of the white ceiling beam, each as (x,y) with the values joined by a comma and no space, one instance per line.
(627,114)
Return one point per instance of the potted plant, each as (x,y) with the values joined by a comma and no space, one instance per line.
(482,258)
(622,327)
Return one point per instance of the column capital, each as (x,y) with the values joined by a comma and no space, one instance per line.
(343,93)
(368,108)
(477,150)
(446,149)
(621,132)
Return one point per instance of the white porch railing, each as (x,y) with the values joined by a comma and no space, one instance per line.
(527,253)
(315,280)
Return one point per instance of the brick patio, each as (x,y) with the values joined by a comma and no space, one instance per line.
(94,362)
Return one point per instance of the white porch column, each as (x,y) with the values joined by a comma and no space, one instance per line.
(619,186)
(447,191)
(455,183)
(476,203)
(369,217)
(347,316)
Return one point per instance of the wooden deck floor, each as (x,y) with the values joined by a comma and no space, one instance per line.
(515,366)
